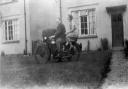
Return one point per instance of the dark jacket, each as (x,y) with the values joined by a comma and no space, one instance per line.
(60,33)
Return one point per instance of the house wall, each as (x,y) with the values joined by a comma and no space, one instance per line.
(9,11)
(103,19)
(104,28)
(40,15)
(43,15)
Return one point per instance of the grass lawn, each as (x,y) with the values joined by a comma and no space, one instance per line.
(17,71)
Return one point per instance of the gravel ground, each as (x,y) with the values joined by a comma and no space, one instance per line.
(118,77)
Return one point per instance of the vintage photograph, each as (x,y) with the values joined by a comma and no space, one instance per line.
(63,44)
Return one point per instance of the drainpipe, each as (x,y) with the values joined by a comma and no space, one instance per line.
(60,12)
(25,50)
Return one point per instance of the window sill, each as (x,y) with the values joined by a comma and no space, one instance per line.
(10,42)
(88,36)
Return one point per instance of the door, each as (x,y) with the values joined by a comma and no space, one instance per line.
(117,30)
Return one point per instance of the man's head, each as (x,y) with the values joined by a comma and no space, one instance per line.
(58,21)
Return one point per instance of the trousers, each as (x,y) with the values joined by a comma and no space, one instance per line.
(59,41)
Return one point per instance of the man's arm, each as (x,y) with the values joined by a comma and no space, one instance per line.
(72,30)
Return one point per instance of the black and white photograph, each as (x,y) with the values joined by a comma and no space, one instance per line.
(63,44)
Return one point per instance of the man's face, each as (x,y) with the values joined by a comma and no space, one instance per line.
(58,22)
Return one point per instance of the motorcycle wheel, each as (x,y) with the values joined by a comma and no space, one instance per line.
(76,52)
(42,54)
(54,56)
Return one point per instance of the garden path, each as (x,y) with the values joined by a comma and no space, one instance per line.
(118,76)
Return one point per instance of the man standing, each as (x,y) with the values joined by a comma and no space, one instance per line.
(60,35)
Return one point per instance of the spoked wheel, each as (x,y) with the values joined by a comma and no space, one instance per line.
(64,57)
(42,54)
(76,52)
(55,57)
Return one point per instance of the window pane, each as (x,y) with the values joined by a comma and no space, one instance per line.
(10,22)
(85,25)
(82,25)
(6,30)
(86,31)
(10,28)
(87,21)
(82,19)
(82,31)
(85,18)
(93,27)
(11,32)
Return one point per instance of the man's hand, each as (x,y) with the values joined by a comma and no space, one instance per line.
(53,36)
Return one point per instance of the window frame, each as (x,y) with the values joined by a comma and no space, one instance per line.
(84,22)
(88,24)
(14,28)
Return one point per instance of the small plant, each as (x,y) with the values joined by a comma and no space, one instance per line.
(88,46)
(104,44)
(106,67)
(99,49)
(126,48)
(2,53)
(80,46)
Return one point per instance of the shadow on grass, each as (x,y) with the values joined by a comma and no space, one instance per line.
(89,70)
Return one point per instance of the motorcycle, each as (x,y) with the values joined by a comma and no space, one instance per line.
(47,50)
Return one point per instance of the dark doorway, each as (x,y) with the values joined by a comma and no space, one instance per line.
(117,30)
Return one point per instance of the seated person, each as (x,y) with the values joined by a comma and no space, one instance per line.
(60,35)
(73,35)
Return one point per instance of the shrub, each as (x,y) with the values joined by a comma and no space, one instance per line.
(2,53)
(88,46)
(99,49)
(80,46)
(126,48)
(106,68)
(104,44)
(126,44)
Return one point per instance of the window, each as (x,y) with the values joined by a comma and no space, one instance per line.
(10,30)
(84,23)
(87,22)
